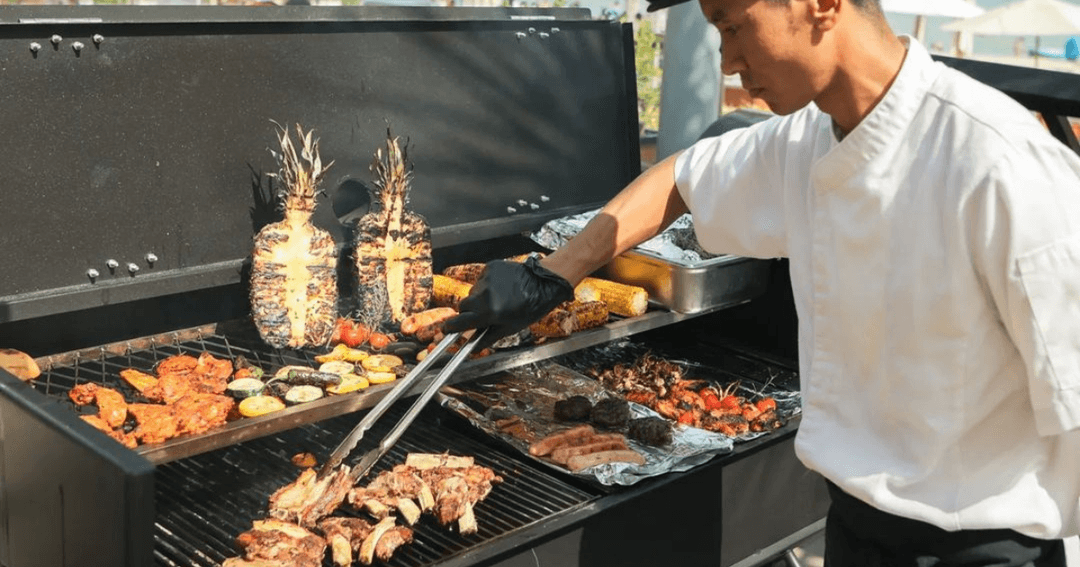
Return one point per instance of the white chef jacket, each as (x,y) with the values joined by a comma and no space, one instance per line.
(935,261)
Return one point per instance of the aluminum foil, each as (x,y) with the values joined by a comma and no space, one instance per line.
(677,243)
(526,396)
(626,351)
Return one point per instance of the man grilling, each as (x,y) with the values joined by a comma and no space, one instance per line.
(933,231)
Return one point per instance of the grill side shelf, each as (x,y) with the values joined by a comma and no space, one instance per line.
(102,365)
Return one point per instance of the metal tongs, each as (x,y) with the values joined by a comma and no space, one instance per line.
(403,386)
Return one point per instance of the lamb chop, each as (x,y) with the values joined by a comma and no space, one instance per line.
(393,246)
(294,263)
(273,543)
(447,486)
(399,489)
(310,499)
(349,536)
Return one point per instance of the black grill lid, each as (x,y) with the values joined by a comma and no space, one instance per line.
(143,169)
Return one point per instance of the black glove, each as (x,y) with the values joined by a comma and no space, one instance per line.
(509,297)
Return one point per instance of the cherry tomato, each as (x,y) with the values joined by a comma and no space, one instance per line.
(766,404)
(378,341)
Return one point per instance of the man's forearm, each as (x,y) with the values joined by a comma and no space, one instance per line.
(640,211)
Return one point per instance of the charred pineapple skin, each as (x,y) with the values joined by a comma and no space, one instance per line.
(294,263)
(393,246)
(294,300)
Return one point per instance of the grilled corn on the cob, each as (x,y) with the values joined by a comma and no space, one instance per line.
(621,299)
(448,292)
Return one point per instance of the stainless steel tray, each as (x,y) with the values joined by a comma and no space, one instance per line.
(691,288)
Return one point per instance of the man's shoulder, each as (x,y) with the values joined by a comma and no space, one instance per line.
(990,115)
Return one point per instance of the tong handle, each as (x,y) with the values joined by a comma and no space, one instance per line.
(430,390)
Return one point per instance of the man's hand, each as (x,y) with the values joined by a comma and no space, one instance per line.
(509,297)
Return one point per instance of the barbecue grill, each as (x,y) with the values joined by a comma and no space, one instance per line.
(135,176)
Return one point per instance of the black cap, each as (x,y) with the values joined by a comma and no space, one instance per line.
(655,5)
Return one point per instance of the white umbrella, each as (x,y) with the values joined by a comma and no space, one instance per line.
(945,8)
(1026,17)
(923,8)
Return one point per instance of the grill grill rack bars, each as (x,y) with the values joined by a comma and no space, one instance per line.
(205,501)
(103,364)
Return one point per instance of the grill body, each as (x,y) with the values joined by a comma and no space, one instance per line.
(147,147)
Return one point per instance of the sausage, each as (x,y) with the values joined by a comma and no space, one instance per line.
(582,462)
(413,323)
(548,444)
(563,454)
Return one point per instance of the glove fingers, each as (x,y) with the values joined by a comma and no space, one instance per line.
(463,322)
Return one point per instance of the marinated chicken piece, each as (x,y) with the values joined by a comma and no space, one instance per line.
(156,422)
(393,245)
(310,499)
(281,542)
(199,413)
(214,370)
(112,408)
(293,262)
(182,374)
(182,364)
(139,380)
(126,439)
(83,394)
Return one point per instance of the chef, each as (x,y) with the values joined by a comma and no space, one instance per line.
(933,230)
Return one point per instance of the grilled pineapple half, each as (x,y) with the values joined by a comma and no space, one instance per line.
(393,245)
(293,268)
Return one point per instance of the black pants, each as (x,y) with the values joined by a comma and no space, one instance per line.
(859,535)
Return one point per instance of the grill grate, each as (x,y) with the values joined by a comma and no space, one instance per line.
(205,501)
(103,365)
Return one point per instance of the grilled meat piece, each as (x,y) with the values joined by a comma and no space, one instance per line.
(180,375)
(446,485)
(112,408)
(655,431)
(139,380)
(349,536)
(610,412)
(192,414)
(310,499)
(393,245)
(281,542)
(574,408)
(293,262)
(344,535)
(126,439)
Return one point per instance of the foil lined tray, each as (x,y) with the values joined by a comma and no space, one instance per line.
(678,274)
(526,396)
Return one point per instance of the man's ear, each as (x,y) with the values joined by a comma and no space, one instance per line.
(825,13)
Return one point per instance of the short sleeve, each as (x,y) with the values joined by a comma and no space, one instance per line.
(731,184)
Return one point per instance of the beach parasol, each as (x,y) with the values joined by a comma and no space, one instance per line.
(1026,17)
(923,8)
